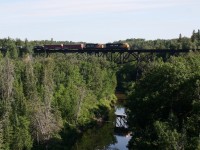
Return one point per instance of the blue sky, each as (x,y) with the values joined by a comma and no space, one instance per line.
(98,20)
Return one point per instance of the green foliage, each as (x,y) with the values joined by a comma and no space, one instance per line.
(39,96)
(22,138)
(168,138)
(164,105)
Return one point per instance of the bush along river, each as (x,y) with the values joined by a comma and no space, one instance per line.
(106,136)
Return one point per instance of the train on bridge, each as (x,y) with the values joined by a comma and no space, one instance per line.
(87,46)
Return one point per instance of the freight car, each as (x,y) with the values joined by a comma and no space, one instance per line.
(74,47)
(88,46)
(60,47)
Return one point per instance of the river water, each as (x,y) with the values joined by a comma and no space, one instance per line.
(121,140)
(104,137)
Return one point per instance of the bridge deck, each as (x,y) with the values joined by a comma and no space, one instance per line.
(103,50)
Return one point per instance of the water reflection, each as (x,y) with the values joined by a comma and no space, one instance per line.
(121,118)
(104,137)
(122,142)
(98,138)
(120,110)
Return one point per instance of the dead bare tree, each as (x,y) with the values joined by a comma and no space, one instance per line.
(82,93)
(45,120)
(7,79)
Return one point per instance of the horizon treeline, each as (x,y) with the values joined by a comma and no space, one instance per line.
(181,42)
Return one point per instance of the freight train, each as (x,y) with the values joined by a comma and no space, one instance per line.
(88,46)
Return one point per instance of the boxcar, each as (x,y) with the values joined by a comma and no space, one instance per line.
(73,47)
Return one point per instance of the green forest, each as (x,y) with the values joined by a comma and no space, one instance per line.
(43,97)
(46,101)
(164,105)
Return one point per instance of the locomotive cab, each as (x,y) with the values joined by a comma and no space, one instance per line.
(126,46)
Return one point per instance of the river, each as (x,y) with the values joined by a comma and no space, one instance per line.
(104,137)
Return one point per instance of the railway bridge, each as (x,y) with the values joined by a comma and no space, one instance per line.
(118,55)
